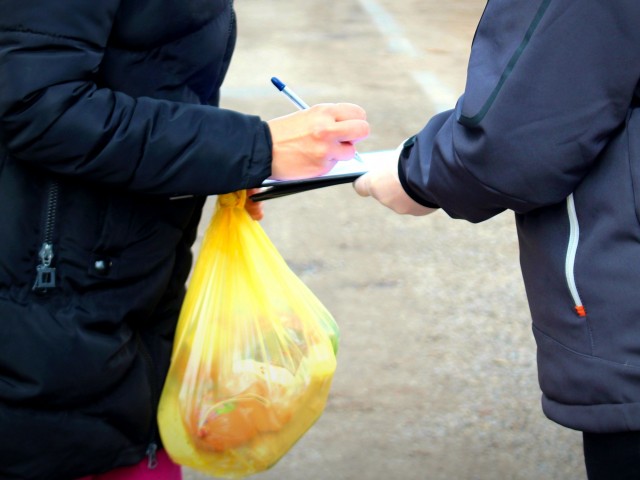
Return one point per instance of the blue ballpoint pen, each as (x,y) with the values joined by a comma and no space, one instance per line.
(298,102)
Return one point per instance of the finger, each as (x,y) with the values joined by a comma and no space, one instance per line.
(253,208)
(255,211)
(342,151)
(350,130)
(362,185)
(347,111)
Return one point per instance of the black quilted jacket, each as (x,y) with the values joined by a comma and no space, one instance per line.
(109,142)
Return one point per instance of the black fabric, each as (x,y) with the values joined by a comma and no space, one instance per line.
(612,456)
(107,115)
(404,155)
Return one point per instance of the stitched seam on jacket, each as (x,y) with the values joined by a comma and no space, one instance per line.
(476,119)
(585,355)
(43,34)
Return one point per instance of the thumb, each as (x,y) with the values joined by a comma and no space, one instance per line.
(362,185)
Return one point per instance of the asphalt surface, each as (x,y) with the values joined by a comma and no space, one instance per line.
(436,370)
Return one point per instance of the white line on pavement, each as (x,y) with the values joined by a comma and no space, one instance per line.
(385,22)
(441,95)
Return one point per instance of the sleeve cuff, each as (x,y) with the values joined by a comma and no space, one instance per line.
(259,167)
(408,145)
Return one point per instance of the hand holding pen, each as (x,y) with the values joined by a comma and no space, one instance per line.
(308,143)
(298,102)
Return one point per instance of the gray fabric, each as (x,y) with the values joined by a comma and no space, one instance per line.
(550,113)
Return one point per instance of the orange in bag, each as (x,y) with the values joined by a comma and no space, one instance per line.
(255,404)
(254,354)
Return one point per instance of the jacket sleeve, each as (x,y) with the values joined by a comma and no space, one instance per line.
(54,116)
(548,83)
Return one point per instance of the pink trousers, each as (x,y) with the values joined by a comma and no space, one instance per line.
(165,470)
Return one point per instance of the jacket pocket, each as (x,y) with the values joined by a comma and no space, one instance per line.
(138,235)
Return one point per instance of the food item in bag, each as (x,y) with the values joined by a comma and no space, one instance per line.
(253,400)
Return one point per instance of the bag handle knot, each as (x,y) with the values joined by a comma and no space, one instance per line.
(233,199)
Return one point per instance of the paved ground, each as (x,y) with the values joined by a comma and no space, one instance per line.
(436,377)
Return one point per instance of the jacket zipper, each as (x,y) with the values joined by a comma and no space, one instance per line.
(570,260)
(152,447)
(45,272)
(151,453)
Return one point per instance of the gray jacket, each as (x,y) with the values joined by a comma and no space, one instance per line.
(549,128)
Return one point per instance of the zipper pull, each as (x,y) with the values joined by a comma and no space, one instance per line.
(152,449)
(46,274)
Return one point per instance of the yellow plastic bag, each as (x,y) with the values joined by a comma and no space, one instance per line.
(254,354)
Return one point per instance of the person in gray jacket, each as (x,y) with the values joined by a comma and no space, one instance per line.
(549,128)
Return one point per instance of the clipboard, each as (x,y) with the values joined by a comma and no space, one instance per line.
(345,171)
(282,189)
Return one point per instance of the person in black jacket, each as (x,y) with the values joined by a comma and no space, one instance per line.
(110,141)
(549,128)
